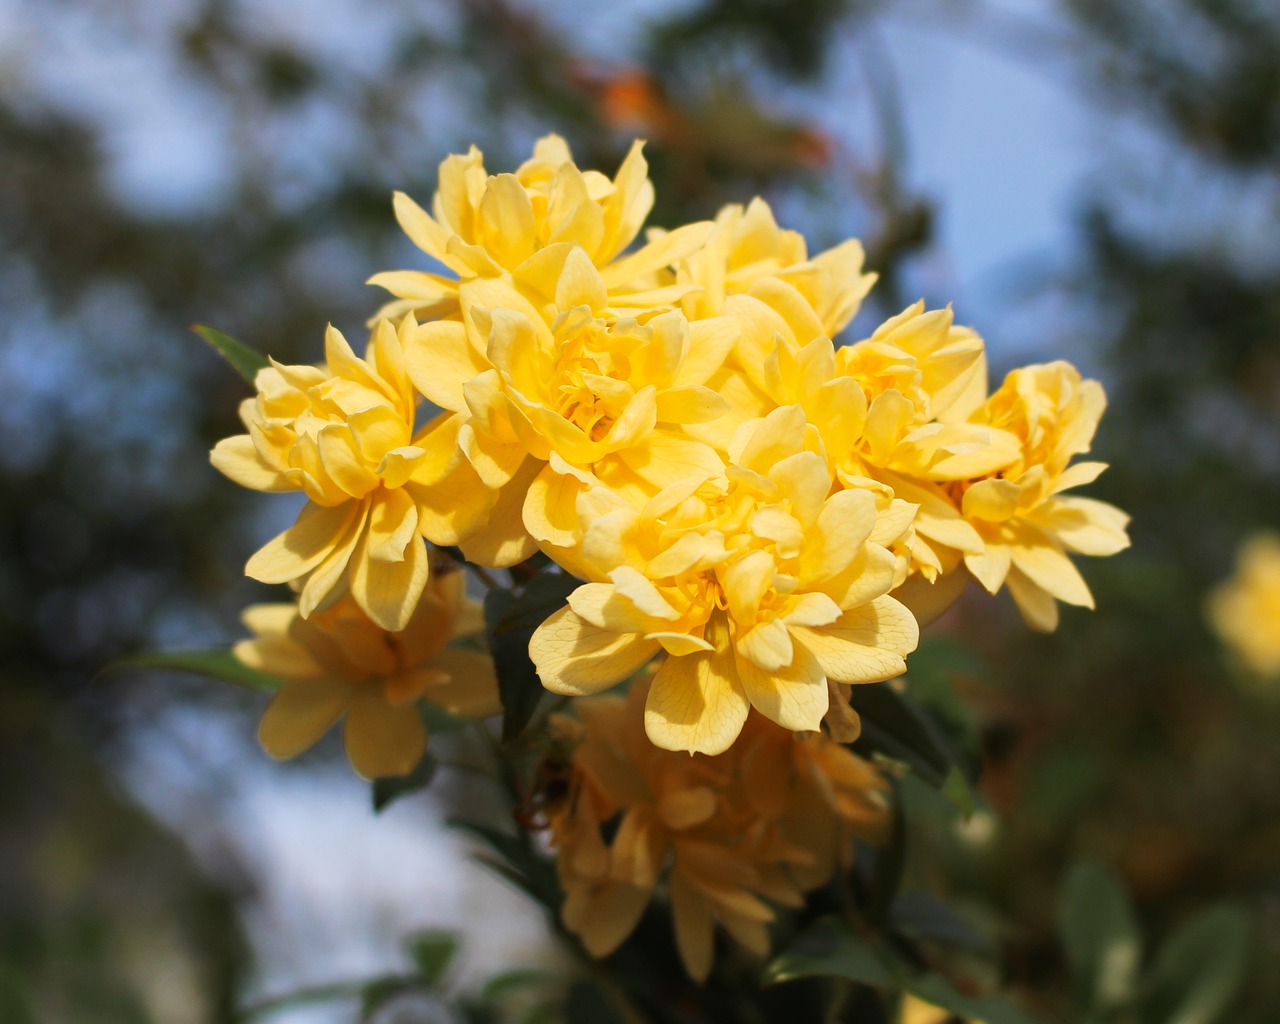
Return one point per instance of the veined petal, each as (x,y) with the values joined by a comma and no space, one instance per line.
(767,644)
(696,703)
(691,403)
(578,659)
(866,644)
(794,695)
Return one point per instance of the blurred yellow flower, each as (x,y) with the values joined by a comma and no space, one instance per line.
(1027,525)
(338,663)
(764,590)
(760,824)
(484,226)
(1245,609)
(343,435)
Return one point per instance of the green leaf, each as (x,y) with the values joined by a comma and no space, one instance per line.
(500,986)
(215,664)
(518,684)
(921,915)
(1100,936)
(829,949)
(541,596)
(935,989)
(380,991)
(433,952)
(245,360)
(1200,968)
(891,725)
(390,789)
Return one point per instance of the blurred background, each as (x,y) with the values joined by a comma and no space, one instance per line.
(1096,180)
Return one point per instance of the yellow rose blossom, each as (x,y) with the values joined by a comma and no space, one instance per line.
(339,664)
(514,224)
(764,590)
(730,835)
(575,385)
(1027,524)
(1245,610)
(342,434)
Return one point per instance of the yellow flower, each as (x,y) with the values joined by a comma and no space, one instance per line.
(748,254)
(489,225)
(1245,610)
(763,589)
(1027,525)
(730,835)
(343,435)
(575,386)
(339,663)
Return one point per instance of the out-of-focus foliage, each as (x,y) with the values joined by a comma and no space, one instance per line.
(1122,738)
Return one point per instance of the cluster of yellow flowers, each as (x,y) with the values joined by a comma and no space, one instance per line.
(767,821)
(673,425)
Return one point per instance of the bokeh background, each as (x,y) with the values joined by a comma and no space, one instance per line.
(1091,179)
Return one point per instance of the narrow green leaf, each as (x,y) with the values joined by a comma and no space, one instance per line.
(829,949)
(390,789)
(541,596)
(245,360)
(433,952)
(1100,936)
(215,664)
(935,989)
(1200,969)
(518,684)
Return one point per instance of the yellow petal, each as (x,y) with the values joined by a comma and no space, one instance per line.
(472,686)
(237,458)
(440,360)
(695,927)
(303,546)
(1038,608)
(300,713)
(382,739)
(696,703)
(866,644)
(388,592)
(795,696)
(1045,565)
(576,658)
(1083,525)
(503,540)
